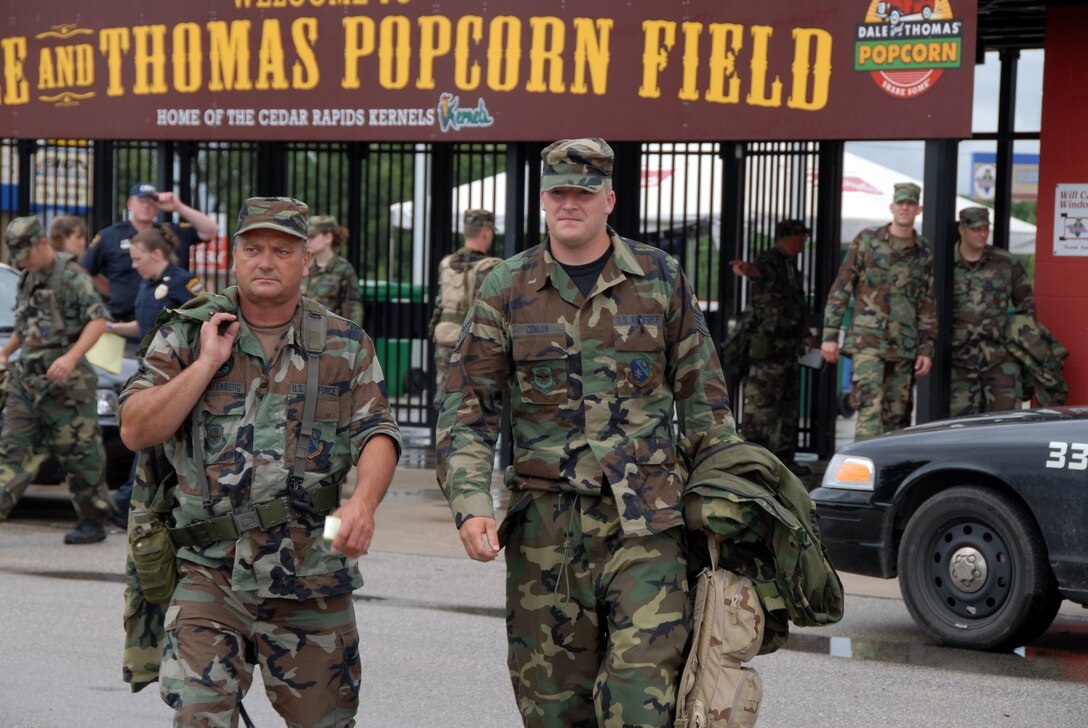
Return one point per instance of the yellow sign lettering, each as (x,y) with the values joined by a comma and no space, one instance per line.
(358,43)
(466,72)
(591,50)
(757,93)
(726,42)
(16,87)
(503,53)
(149,56)
(435,33)
(543,52)
(394,51)
(271,73)
(689,89)
(228,55)
(304,74)
(188,58)
(114,44)
(810,65)
(658,39)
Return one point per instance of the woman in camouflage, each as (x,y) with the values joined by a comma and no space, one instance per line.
(331,280)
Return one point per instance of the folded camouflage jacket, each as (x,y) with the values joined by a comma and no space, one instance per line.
(1042,358)
(742,493)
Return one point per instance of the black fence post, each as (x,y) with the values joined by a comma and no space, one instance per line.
(828,234)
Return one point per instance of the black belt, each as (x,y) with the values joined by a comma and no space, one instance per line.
(264,516)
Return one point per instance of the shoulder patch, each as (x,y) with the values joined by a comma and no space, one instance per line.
(700,320)
(194,286)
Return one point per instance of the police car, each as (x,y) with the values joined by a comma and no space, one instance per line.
(983,519)
(118,457)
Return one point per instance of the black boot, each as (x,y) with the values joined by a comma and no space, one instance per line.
(87,531)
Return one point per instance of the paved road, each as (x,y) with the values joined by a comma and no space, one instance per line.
(434,645)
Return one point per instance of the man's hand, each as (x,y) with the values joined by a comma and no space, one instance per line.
(61,367)
(215,348)
(480,537)
(168,202)
(356,530)
(829,350)
(744,268)
(922,365)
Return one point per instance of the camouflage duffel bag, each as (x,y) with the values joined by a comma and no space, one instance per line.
(715,690)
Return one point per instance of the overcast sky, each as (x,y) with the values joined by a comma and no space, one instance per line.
(907,157)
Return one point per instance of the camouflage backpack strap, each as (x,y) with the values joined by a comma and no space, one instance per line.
(56,285)
(314,333)
(479,271)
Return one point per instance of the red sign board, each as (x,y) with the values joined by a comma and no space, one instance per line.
(409,70)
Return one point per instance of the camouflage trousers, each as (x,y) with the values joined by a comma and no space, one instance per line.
(308,652)
(597,625)
(772,405)
(442,356)
(882,392)
(43,418)
(990,389)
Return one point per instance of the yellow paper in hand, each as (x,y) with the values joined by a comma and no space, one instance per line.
(107,352)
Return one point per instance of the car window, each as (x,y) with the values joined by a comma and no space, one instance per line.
(9,284)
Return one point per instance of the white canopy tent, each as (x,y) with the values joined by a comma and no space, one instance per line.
(683,189)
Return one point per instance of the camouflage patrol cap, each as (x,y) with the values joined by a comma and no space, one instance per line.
(22,233)
(581,163)
(322,224)
(789,228)
(975,216)
(479,218)
(907,191)
(285,214)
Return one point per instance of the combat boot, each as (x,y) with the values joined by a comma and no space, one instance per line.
(87,531)
(7,504)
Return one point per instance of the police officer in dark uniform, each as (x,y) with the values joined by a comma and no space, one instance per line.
(108,260)
(163,284)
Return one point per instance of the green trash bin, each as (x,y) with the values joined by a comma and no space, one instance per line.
(394,354)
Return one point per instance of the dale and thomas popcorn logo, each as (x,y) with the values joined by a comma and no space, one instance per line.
(905,45)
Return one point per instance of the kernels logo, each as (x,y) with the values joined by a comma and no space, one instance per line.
(452,116)
(905,45)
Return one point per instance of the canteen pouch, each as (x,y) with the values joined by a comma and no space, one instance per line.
(715,690)
(760,347)
(153,555)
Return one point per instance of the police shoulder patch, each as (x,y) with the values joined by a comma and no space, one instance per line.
(194,286)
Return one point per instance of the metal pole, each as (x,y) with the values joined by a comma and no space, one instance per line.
(934,390)
(1006,126)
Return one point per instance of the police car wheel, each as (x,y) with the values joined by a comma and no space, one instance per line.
(974,573)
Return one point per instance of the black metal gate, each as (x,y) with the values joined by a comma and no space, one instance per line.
(705,203)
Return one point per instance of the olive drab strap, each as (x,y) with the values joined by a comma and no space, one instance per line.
(54,285)
(314,331)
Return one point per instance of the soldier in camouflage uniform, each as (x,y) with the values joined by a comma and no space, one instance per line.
(777,334)
(888,271)
(331,280)
(255,579)
(987,281)
(51,396)
(460,275)
(598,341)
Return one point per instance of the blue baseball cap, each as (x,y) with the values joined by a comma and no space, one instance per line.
(144,189)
